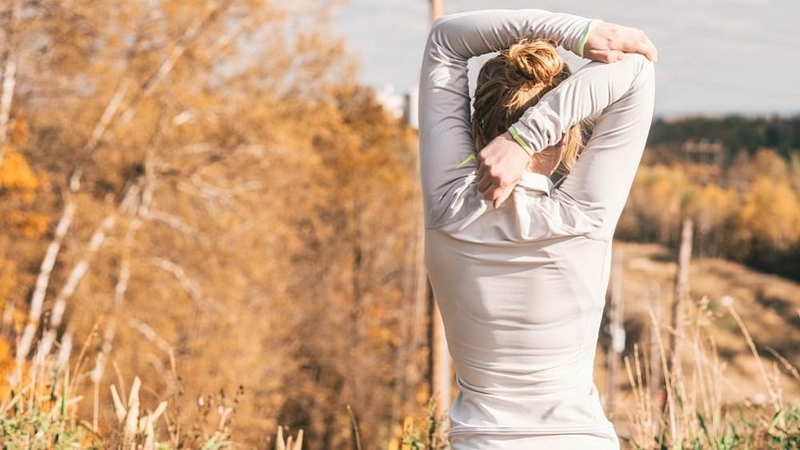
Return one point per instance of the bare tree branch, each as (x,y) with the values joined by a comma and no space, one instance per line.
(9,80)
(80,269)
(190,285)
(147,88)
(98,132)
(125,267)
(119,294)
(43,280)
(173,222)
(153,337)
(190,35)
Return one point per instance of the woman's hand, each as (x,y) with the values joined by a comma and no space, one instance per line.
(608,43)
(500,166)
(501,163)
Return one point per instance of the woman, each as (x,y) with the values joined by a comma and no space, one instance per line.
(521,283)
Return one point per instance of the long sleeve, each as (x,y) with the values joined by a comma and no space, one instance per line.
(444,106)
(602,178)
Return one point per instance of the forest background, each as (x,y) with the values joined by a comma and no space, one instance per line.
(197,194)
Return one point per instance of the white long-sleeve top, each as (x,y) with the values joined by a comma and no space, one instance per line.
(522,288)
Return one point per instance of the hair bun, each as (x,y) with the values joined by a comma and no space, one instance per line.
(534,63)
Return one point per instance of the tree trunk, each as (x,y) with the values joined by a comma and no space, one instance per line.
(440,357)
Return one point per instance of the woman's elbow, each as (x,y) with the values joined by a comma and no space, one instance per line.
(646,68)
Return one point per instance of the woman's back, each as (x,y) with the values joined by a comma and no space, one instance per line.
(522,324)
(521,288)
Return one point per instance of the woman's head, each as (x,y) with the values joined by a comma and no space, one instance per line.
(510,83)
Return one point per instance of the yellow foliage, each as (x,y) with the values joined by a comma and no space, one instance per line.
(712,205)
(18,187)
(8,283)
(16,174)
(6,362)
(27,224)
(18,132)
(7,280)
(768,163)
(770,214)
(658,194)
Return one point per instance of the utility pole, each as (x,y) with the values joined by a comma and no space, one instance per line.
(424,306)
(681,292)
(436,9)
(441,373)
(680,296)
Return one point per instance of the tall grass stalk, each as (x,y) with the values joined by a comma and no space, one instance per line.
(696,414)
(39,410)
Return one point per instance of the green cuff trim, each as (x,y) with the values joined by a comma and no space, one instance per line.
(469,159)
(582,45)
(522,143)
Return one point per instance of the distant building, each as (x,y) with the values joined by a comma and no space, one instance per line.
(393,103)
(400,106)
(411,108)
(704,151)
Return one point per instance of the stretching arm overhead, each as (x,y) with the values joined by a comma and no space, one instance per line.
(446,146)
(444,107)
(602,178)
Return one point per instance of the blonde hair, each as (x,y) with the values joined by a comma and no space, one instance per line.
(513,81)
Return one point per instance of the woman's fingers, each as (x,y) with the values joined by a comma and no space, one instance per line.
(500,196)
(636,41)
(607,41)
(500,165)
(650,50)
(606,56)
(489,187)
(494,190)
(484,182)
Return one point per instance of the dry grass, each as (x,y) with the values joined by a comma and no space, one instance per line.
(737,386)
(731,390)
(696,413)
(39,410)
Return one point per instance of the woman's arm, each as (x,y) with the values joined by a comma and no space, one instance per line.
(603,176)
(502,162)
(444,104)
(604,173)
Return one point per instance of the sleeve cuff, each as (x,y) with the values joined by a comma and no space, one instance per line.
(585,37)
(525,146)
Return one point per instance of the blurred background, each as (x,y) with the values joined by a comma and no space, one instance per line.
(210,227)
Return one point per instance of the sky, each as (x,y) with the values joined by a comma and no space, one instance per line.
(715,57)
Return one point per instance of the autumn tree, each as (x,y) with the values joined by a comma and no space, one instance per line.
(656,204)
(768,221)
(223,207)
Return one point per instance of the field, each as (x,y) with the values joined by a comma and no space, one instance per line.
(724,397)
(769,307)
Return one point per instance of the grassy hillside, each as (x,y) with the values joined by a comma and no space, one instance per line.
(768,305)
